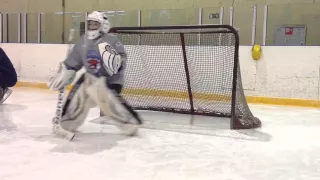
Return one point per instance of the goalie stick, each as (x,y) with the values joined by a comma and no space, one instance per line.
(57,129)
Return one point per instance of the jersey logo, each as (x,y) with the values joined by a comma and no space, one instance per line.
(94,61)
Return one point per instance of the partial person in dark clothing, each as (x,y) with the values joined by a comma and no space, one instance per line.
(8,76)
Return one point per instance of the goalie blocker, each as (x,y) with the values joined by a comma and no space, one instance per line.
(90,91)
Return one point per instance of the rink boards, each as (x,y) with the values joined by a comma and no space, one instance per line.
(283,76)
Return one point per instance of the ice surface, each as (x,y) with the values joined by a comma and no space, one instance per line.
(287,147)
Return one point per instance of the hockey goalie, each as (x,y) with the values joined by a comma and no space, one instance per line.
(104,58)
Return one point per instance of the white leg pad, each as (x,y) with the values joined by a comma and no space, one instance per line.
(110,106)
(78,104)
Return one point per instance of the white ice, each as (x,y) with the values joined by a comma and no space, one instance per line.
(287,147)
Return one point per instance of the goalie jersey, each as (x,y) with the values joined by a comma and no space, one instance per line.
(88,53)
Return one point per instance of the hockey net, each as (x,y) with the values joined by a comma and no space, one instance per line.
(186,69)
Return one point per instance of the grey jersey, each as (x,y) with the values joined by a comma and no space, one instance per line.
(85,53)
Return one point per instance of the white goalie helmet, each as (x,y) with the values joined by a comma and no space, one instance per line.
(98,23)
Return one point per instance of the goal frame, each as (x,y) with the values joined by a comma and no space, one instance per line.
(226,29)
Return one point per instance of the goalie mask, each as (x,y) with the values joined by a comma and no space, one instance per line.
(97,24)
